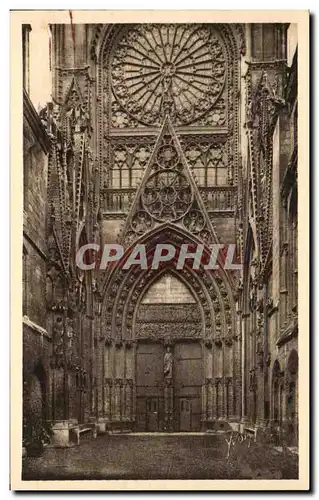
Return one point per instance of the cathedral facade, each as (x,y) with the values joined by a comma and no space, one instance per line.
(171,134)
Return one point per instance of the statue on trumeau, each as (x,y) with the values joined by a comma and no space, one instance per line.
(168,363)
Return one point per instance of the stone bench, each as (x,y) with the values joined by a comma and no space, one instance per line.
(251,431)
(82,432)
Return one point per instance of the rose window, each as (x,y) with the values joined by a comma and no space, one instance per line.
(167,195)
(152,64)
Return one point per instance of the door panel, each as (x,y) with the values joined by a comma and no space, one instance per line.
(141,414)
(196,413)
(187,380)
(149,367)
(149,386)
(185,414)
(187,386)
(152,415)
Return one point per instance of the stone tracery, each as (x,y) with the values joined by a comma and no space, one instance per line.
(187,62)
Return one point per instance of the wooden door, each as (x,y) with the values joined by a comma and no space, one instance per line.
(185,414)
(188,375)
(152,414)
(149,387)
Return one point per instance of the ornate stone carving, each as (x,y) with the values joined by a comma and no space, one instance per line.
(141,222)
(208,161)
(252,380)
(58,341)
(208,343)
(161,330)
(218,340)
(260,353)
(168,363)
(179,66)
(228,340)
(194,221)
(167,195)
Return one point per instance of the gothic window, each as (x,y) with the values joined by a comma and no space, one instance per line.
(187,71)
(119,165)
(216,168)
(115,177)
(209,163)
(185,63)
(127,165)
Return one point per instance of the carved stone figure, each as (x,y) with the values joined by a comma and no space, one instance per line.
(168,363)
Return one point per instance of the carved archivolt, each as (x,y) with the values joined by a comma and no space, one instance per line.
(124,289)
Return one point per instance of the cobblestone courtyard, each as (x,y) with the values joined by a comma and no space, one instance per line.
(161,457)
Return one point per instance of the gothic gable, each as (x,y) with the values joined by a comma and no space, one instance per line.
(168,193)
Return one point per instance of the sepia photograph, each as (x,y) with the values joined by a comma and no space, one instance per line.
(161,224)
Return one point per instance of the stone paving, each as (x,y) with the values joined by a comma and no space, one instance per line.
(153,457)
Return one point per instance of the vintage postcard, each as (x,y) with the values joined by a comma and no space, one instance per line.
(160,217)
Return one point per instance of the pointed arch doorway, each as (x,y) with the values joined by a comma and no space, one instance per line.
(169,360)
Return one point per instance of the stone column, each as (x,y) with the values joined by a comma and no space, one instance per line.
(128,380)
(214,400)
(207,410)
(122,399)
(133,417)
(244,367)
(219,396)
(113,372)
(168,404)
(228,342)
(108,398)
(209,398)
(117,399)
(168,386)
(128,399)
(229,398)
(119,373)
(237,387)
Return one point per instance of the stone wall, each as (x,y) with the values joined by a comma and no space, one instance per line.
(36,341)
(269,309)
